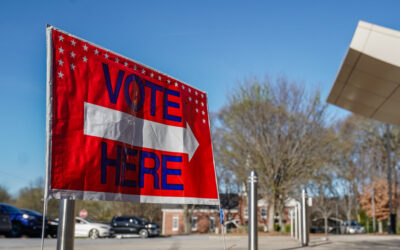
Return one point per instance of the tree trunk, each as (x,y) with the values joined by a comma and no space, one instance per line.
(380,227)
(187,216)
(326,224)
(349,207)
(271,217)
(281,217)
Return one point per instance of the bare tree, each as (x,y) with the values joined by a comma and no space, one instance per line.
(278,130)
(4,194)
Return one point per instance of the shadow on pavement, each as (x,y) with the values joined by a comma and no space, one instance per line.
(390,244)
(309,246)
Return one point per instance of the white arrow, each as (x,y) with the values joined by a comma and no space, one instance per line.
(119,126)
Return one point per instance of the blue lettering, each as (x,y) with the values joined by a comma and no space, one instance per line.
(171,104)
(152,171)
(128,166)
(113,94)
(154,87)
(129,79)
(166,171)
(105,162)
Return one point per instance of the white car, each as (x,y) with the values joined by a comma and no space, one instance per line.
(88,228)
(353,227)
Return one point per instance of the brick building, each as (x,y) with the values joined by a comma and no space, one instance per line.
(205,219)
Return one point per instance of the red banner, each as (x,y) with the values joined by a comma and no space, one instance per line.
(119,130)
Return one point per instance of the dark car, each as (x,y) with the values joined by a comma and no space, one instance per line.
(132,225)
(21,223)
(37,219)
(5,223)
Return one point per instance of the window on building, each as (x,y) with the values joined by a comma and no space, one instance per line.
(263,213)
(194,223)
(246,213)
(212,224)
(175,223)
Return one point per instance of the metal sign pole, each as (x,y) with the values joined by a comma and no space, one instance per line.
(304,241)
(296,222)
(66,225)
(291,223)
(299,228)
(252,182)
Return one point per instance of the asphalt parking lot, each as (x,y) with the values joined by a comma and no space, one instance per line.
(213,242)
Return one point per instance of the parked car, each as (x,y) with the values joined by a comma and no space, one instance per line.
(352,227)
(50,225)
(21,223)
(5,223)
(91,229)
(131,225)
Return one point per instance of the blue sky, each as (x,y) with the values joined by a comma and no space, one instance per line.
(209,44)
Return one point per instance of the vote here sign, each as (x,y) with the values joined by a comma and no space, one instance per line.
(119,130)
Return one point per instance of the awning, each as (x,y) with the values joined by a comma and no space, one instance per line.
(369,78)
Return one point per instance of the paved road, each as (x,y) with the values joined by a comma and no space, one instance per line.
(213,242)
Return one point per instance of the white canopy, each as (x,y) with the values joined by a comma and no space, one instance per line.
(369,79)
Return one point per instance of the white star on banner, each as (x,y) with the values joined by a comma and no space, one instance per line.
(73,42)
(202,103)
(84,59)
(183,87)
(196,101)
(143,71)
(106,55)
(117,60)
(190,90)
(190,99)
(60,38)
(85,47)
(126,64)
(195,93)
(96,51)
(159,78)
(197,110)
(72,66)
(60,74)
(151,74)
(202,112)
(60,62)
(60,50)
(176,84)
(202,95)
(168,81)
(204,120)
(72,54)
(134,67)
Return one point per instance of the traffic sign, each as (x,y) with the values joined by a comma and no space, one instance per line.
(83,213)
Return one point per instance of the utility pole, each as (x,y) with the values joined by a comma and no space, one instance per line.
(373,210)
(392,217)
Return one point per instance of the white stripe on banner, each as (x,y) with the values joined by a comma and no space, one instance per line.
(88,195)
(119,126)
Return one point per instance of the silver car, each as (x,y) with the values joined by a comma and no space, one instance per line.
(352,227)
(91,229)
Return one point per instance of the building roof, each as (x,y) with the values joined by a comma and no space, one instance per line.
(369,78)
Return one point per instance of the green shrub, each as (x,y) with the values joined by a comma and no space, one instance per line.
(287,228)
(243,229)
(277,227)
